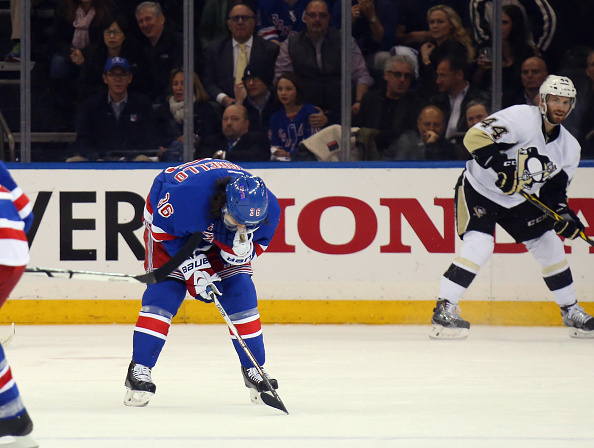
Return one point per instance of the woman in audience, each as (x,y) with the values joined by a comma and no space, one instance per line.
(170,118)
(515,50)
(291,124)
(446,36)
(116,41)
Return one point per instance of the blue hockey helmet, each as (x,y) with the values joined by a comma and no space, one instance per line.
(247,201)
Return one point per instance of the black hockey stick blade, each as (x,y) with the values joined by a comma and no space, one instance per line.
(273,401)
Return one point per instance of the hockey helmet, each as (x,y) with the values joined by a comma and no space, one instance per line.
(247,201)
(556,85)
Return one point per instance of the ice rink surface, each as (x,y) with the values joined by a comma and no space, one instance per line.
(344,386)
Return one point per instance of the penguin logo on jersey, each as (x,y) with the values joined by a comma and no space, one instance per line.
(533,167)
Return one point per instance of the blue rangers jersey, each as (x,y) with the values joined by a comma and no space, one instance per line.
(278,20)
(542,159)
(285,133)
(179,205)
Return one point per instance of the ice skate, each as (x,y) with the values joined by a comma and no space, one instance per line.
(447,323)
(16,432)
(255,383)
(139,385)
(579,323)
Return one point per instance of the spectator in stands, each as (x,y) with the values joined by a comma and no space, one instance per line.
(533,73)
(236,143)
(427,142)
(76,25)
(390,111)
(291,124)
(585,112)
(15,21)
(260,102)
(455,92)
(447,37)
(476,111)
(213,22)
(163,47)
(280,19)
(515,50)
(116,41)
(314,54)
(412,27)
(116,123)
(169,118)
(374,28)
(227,58)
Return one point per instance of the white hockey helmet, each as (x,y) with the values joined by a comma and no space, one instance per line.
(556,85)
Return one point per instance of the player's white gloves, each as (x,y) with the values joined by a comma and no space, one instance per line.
(242,251)
(571,226)
(200,276)
(242,244)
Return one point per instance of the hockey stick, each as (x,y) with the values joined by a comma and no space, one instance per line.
(156,276)
(552,214)
(271,400)
(5,340)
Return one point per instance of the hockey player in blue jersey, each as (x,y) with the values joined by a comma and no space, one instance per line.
(237,216)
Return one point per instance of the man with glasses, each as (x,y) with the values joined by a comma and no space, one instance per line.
(393,110)
(227,58)
(314,54)
(116,123)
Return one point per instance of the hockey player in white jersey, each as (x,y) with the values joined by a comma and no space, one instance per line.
(529,140)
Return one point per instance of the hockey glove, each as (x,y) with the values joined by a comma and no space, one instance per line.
(199,276)
(242,251)
(507,174)
(571,226)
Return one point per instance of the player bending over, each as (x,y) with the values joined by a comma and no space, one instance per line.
(237,216)
(15,220)
(529,141)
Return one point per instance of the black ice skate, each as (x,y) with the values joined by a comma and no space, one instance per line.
(579,323)
(447,323)
(16,432)
(255,383)
(139,385)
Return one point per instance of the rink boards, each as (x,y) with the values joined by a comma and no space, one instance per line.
(361,244)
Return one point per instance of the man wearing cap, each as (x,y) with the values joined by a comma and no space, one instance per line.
(260,102)
(114,123)
(236,216)
(236,142)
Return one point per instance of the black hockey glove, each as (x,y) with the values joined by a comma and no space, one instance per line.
(571,226)
(507,174)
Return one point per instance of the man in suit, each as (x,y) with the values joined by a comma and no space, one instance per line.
(455,92)
(227,58)
(115,123)
(236,143)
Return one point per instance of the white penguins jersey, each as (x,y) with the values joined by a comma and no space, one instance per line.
(538,159)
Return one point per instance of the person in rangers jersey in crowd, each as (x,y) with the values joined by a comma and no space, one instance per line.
(16,216)
(531,141)
(237,216)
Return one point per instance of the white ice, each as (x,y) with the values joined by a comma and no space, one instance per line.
(344,386)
